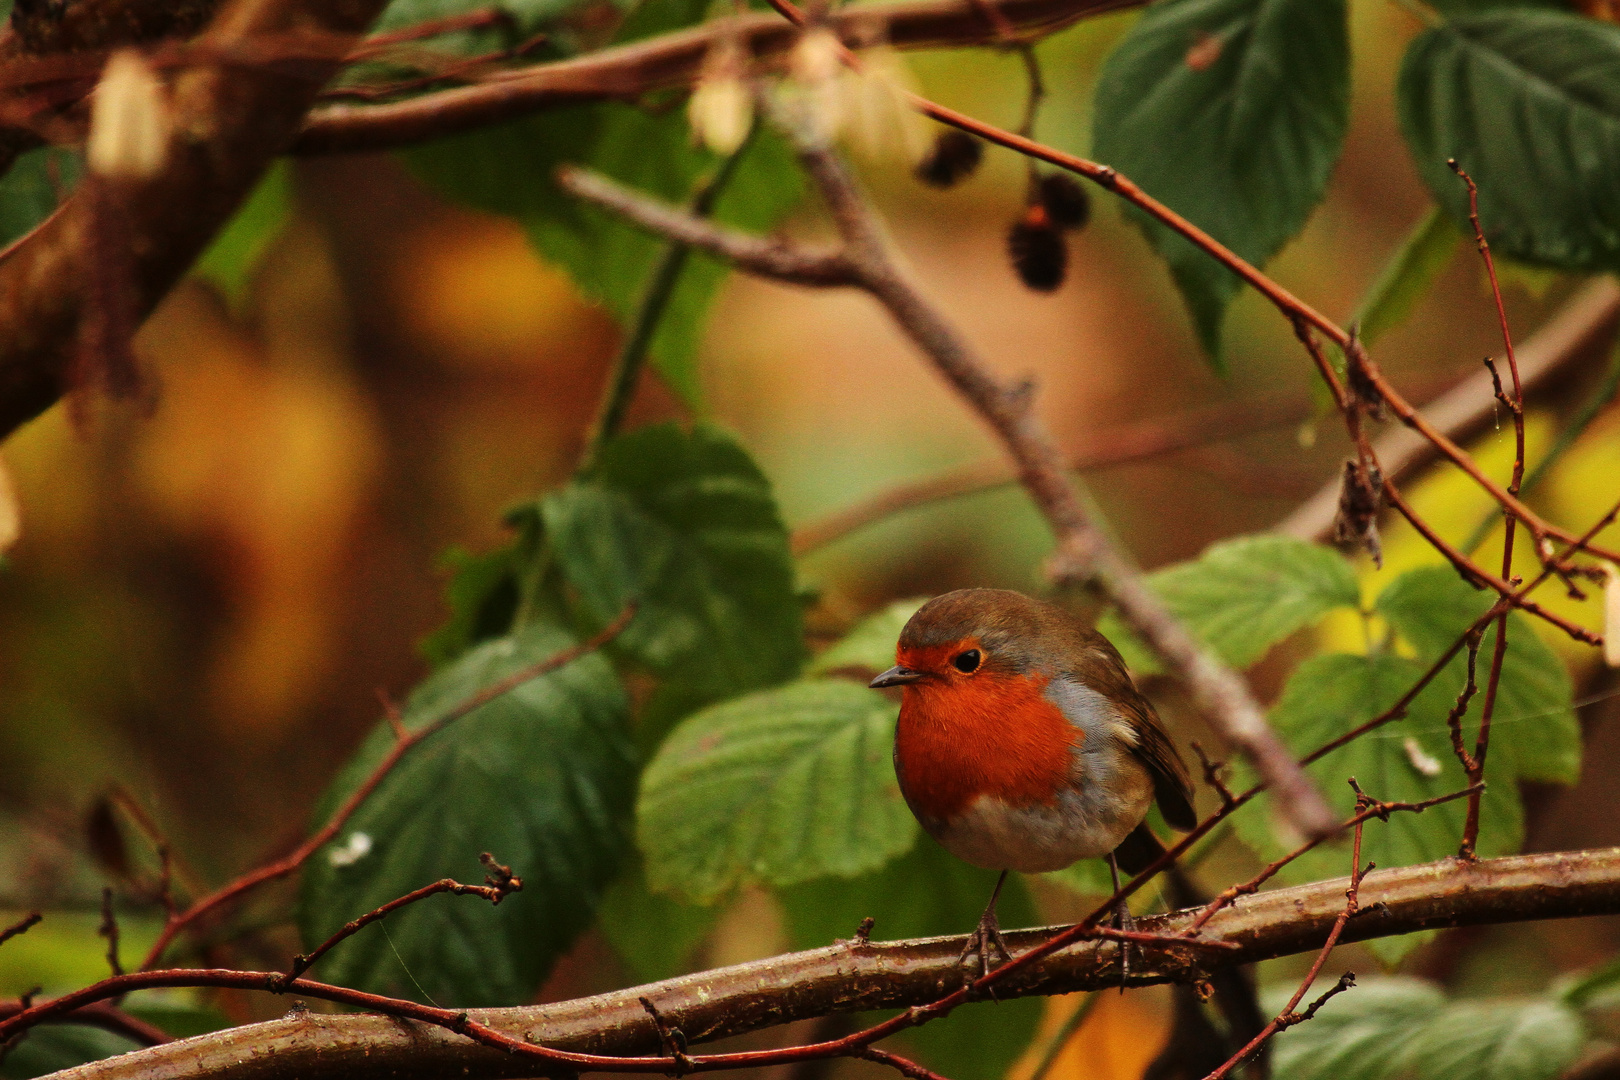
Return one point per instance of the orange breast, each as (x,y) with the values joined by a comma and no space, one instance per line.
(994,736)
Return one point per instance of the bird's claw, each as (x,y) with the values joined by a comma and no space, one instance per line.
(1124,921)
(985,937)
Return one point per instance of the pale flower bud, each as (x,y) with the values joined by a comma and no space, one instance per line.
(1611,617)
(881,121)
(721,109)
(817,66)
(129,120)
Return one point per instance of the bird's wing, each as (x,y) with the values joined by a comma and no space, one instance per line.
(1172,787)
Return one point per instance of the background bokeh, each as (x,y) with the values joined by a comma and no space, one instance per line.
(211,591)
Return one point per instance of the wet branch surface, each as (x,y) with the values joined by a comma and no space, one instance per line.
(850,977)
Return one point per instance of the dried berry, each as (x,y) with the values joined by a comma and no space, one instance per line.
(1067,204)
(952,159)
(1038,250)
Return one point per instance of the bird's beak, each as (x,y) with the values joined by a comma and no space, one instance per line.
(896,676)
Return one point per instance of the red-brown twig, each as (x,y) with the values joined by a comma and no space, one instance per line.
(1288,1017)
(109,930)
(1366,808)
(402,744)
(105,1016)
(1459,708)
(21,926)
(1475,762)
(905,1066)
(499,883)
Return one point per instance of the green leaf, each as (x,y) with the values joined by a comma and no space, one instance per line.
(31,190)
(527,17)
(1405,761)
(231,259)
(1528,101)
(1598,988)
(928,893)
(483,597)
(1242,596)
(654,935)
(1357,1034)
(870,645)
(510,170)
(1534,734)
(683,525)
(779,787)
(542,776)
(1493,1040)
(53,1047)
(1232,112)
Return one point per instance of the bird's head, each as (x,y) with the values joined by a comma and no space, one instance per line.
(974,635)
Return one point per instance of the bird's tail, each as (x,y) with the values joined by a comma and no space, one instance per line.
(1138,850)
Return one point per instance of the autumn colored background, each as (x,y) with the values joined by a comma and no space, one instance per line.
(210,592)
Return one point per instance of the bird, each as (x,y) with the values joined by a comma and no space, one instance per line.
(1023,744)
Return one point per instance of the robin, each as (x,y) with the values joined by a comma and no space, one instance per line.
(1024,745)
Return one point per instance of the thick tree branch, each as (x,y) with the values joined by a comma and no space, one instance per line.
(229,122)
(628,71)
(849,977)
(1083,551)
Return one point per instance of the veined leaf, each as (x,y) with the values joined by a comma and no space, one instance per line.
(1242,596)
(1232,112)
(683,525)
(781,786)
(654,935)
(543,777)
(926,893)
(1534,732)
(870,645)
(1493,1040)
(1356,1035)
(1528,101)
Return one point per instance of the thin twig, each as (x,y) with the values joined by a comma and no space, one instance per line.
(21,926)
(1288,1018)
(497,886)
(905,1066)
(109,930)
(402,744)
(105,1016)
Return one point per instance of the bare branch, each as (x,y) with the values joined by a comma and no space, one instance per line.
(774,259)
(843,978)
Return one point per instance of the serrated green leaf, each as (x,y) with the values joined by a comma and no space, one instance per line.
(30,191)
(510,170)
(1357,1034)
(483,597)
(1242,596)
(543,777)
(230,260)
(926,893)
(870,645)
(683,525)
(781,786)
(52,1047)
(1528,101)
(1232,112)
(1405,761)
(1534,733)
(1493,1040)
(654,935)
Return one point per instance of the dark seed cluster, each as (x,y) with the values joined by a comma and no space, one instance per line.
(1036,244)
(952,159)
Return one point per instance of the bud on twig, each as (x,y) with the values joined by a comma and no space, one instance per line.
(1066,202)
(952,159)
(129,120)
(1038,250)
(721,109)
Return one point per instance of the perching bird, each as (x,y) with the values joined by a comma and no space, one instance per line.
(1023,744)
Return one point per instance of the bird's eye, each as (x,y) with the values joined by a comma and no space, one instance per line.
(967,662)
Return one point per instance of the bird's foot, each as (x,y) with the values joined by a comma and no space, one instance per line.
(1123,920)
(985,937)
